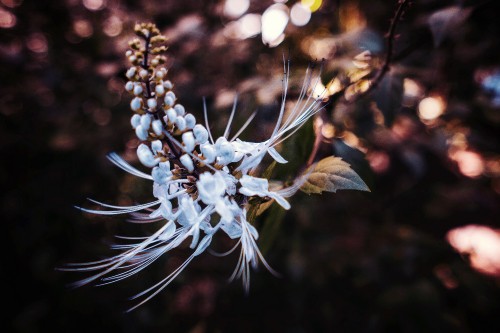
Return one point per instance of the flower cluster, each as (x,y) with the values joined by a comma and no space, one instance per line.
(202,184)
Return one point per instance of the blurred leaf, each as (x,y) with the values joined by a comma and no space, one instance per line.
(332,174)
(389,96)
(271,227)
(444,21)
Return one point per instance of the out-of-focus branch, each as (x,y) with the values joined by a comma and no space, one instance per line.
(391,37)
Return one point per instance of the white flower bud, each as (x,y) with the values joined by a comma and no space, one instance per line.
(168,85)
(187,162)
(155,62)
(180,122)
(171,114)
(156,146)
(132,58)
(208,152)
(141,133)
(135,104)
(138,90)
(131,72)
(143,73)
(180,110)
(200,133)
(151,103)
(190,121)
(146,121)
(146,156)
(226,153)
(128,53)
(160,176)
(135,120)
(165,165)
(157,127)
(160,74)
(188,140)
(129,86)
(160,90)
(171,94)
(169,101)
(219,142)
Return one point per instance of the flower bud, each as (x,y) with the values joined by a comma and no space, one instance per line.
(160,176)
(145,121)
(157,127)
(135,120)
(190,121)
(171,114)
(169,101)
(188,140)
(131,72)
(160,90)
(143,73)
(208,152)
(171,94)
(200,133)
(165,165)
(187,162)
(180,110)
(141,133)
(180,122)
(128,53)
(226,153)
(138,90)
(146,156)
(136,104)
(151,103)
(168,85)
(156,146)
(129,86)
(160,74)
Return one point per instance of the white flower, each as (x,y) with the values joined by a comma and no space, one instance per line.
(251,186)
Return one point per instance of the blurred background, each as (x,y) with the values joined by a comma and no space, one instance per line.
(420,253)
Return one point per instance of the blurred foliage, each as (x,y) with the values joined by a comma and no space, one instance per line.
(425,141)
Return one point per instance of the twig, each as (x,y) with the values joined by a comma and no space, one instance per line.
(391,37)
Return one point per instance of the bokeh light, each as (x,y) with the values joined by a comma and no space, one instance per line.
(274,22)
(7,19)
(300,14)
(481,244)
(235,8)
(431,108)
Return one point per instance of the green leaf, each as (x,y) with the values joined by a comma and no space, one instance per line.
(332,174)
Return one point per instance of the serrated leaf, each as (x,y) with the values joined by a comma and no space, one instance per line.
(332,174)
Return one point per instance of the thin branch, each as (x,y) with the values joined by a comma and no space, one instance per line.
(391,37)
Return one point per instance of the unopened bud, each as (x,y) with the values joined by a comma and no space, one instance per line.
(157,127)
(135,120)
(151,103)
(172,115)
(180,122)
(135,104)
(141,133)
(200,133)
(146,156)
(156,146)
(168,85)
(208,152)
(190,121)
(160,90)
(187,162)
(179,108)
(189,142)
(145,121)
(138,90)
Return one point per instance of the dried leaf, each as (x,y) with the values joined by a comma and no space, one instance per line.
(332,174)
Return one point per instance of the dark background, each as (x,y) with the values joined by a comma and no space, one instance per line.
(350,261)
